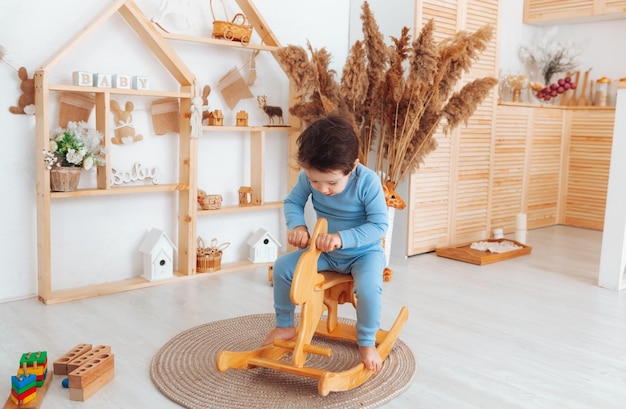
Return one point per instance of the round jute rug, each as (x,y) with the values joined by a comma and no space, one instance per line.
(184,370)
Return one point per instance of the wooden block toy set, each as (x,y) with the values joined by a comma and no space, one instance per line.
(87,369)
(30,384)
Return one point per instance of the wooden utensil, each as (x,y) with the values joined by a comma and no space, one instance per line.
(572,100)
(582,100)
(565,96)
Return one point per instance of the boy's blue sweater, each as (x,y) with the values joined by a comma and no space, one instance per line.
(358,214)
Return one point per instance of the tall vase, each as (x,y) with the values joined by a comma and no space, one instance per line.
(64,179)
(391,213)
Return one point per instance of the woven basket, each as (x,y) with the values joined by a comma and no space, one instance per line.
(239,29)
(209,202)
(209,259)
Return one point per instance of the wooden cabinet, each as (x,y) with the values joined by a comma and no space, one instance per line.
(548,162)
(589,136)
(181,192)
(550,11)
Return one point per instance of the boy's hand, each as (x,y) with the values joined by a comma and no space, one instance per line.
(328,242)
(299,237)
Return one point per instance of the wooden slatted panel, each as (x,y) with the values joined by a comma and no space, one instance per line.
(509,165)
(536,11)
(430,186)
(544,169)
(443,212)
(591,138)
(429,200)
(470,217)
(614,6)
(444,14)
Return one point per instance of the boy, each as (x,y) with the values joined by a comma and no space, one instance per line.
(351,198)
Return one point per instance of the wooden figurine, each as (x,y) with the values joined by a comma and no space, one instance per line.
(26,101)
(216,118)
(242,118)
(245,196)
(271,111)
(317,293)
(205,104)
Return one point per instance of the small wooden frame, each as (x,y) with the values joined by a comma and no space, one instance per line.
(463,252)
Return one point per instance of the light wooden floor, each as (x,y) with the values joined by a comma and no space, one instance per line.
(532,332)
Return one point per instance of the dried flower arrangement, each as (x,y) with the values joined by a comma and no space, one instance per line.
(394,109)
(550,57)
(77,145)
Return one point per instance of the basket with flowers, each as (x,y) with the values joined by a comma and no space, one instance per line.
(76,147)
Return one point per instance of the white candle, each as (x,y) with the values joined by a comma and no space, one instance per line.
(520,236)
(520,221)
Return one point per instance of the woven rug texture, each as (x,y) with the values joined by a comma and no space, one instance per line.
(184,370)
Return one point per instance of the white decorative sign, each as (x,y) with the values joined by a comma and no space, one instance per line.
(137,173)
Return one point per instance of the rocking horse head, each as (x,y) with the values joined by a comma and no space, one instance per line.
(391,197)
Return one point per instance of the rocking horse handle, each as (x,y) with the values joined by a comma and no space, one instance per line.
(305,276)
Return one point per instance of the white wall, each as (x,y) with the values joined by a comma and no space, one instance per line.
(32,31)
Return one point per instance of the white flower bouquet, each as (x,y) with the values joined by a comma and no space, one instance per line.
(77,145)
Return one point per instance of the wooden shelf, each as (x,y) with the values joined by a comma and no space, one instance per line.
(263,128)
(218,42)
(241,209)
(128,92)
(78,293)
(120,190)
(185,185)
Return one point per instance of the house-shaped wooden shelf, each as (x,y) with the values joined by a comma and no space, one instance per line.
(185,187)
(142,26)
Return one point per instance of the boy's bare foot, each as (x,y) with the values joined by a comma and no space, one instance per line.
(371,358)
(279,333)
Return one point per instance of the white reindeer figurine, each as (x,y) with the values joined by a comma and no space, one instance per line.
(271,111)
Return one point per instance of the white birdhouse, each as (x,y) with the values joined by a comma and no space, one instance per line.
(158,255)
(263,247)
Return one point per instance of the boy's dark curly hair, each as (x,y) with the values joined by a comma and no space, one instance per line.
(330,143)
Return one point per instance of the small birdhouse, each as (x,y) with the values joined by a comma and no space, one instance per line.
(263,247)
(158,255)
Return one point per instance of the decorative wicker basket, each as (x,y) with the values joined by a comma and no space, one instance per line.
(239,29)
(209,259)
(209,202)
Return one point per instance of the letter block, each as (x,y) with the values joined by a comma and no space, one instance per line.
(102,80)
(142,83)
(122,81)
(82,78)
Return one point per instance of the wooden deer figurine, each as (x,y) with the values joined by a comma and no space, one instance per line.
(271,111)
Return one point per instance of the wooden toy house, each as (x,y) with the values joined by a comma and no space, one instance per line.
(158,255)
(263,247)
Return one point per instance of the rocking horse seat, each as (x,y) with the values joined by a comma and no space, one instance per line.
(316,292)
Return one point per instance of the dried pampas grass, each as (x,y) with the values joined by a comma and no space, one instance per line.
(397,96)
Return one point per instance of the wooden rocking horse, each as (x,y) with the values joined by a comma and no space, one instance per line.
(316,291)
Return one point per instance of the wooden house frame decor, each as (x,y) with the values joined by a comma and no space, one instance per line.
(186,201)
(185,187)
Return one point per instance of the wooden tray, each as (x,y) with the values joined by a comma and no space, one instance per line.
(463,252)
